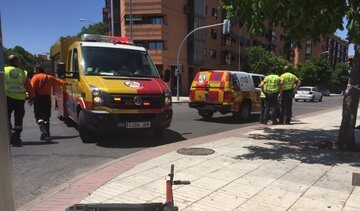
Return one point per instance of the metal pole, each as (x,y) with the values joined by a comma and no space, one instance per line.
(178,55)
(131,19)
(239,65)
(112,17)
(6,191)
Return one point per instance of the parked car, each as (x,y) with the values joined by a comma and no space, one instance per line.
(324,92)
(306,93)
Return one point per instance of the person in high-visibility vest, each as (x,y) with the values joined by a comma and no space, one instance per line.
(262,108)
(272,88)
(17,87)
(42,84)
(289,83)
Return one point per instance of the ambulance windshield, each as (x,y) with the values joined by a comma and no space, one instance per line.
(103,61)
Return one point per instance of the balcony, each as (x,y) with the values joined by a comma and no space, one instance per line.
(148,31)
(144,7)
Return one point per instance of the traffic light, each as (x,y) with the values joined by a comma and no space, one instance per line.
(226,26)
(179,71)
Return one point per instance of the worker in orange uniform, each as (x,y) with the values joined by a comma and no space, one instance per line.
(42,84)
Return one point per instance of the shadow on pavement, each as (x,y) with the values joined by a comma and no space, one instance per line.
(39,142)
(139,139)
(307,146)
(62,137)
(231,120)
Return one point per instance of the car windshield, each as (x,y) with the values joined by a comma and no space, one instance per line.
(118,62)
(304,89)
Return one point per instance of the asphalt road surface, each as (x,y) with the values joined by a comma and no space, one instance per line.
(39,167)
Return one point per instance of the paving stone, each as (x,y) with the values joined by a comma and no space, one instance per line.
(354,199)
(276,197)
(311,204)
(250,206)
(209,183)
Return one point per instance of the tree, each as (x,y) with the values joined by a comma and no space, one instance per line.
(316,72)
(97,28)
(27,60)
(310,20)
(340,76)
(259,60)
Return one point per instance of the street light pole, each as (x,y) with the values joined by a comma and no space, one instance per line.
(131,19)
(239,65)
(6,191)
(178,55)
(112,17)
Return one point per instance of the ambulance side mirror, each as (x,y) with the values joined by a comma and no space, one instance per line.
(60,69)
(166,76)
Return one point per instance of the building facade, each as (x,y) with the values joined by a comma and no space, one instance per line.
(160,26)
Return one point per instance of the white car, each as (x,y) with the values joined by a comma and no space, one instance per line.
(308,93)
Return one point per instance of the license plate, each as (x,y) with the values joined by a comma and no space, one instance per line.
(138,124)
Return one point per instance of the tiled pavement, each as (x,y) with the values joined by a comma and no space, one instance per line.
(283,167)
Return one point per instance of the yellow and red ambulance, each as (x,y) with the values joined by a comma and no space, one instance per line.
(225,92)
(112,86)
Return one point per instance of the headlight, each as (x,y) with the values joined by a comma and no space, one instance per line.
(167,97)
(97,96)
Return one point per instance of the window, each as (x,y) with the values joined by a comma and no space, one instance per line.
(205,52)
(75,63)
(256,80)
(213,53)
(69,60)
(156,45)
(139,43)
(206,9)
(213,34)
(214,13)
(157,20)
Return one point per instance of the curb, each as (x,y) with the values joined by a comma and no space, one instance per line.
(78,188)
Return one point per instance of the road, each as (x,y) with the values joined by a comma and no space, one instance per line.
(39,167)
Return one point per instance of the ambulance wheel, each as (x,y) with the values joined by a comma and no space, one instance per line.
(85,134)
(206,114)
(244,112)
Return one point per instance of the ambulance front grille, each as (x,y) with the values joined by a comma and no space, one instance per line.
(118,101)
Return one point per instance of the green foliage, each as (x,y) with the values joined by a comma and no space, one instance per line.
(27,60)
(315,72)
(97,28)
(340,76)
(259,60)
(306,19)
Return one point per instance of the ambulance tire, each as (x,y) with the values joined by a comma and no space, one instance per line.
(206,114)
(85,134)
(245,111)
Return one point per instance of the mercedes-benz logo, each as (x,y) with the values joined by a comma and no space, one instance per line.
(137,100)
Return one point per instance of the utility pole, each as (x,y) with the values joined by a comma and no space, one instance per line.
(6,191)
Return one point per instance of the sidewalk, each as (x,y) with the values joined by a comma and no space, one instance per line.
(283,167)
(181,100)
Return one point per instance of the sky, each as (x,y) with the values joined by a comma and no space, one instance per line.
(37,24)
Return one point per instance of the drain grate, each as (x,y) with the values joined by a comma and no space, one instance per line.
(195,151)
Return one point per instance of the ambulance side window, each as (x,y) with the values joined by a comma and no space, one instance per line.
(256,80)
(75,63)
(69,61)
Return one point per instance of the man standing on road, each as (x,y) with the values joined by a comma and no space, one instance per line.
(289,83)
(42,84)
(272,89)
(16,86)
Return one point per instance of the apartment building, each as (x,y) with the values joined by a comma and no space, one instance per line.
(330,47)
(161,25)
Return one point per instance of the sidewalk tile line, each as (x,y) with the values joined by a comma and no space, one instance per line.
(227,183)
(347,199)
(307,189)
(268,185)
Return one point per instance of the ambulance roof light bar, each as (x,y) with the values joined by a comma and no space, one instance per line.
(103,38)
